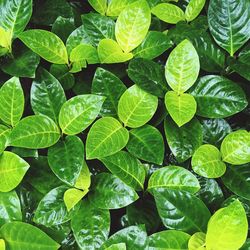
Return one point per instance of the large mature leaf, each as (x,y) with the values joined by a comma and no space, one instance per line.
(132,25)
(174,178)
(197,241)
(182,67)
(136,107)
(47,95)
(99,5)
(36,131)
(146,143)
(127,168)
(4,135)
(11,101)
(181,210)
(109,192)
(66,159)
(185,140)
(79,112)
(229,23)
(106,137)
(218,97)
(46,44)
(193,9)
(235,148)
(227,228)
(12,170)
(90,226)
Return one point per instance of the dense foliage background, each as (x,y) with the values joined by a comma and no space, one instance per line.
(124,124)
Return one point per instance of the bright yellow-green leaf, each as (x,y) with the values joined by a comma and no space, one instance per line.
(72,196)
(99,5)
(83,181)
(5,38)
(193,9)
(197,241)
(116,6)
(2,244)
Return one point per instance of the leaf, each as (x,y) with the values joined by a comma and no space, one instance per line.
(84,179)
(174,178)
(47,95)
(46,44)
(5,40)
(227,228)
(207,162)
(218,97)
(228,30)
(109,51)
(3,247)
(182,67)
(10,208)
(193,9)
(148,75)
(36,131)
(66,159)
(106,137)
(132,25)
(146,143)
(90,226)
(127,168)
(169,240)
(103,84)
(15,236)
(15,15)
(115,7)
(99,5)
(197,241)
(185,140)
(12,170)
(235,148)
(4,136)
(136,107)
(119,246)
(79,112)
(109,192)
(72,196)
(168,13)
(181,107)
(11,101)
(174,209)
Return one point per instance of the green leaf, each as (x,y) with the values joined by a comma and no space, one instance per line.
(181,108)
(109,85)
(15,236)
(11,101)
(127,168)
(12,170)
(109,192)
(99,5)
(136,107)
(106,137)
(46,44)
(197,241)
(182,67)
(109,51)
(146,143)
(72,196)
(185,140)
(84,179)
(90,226)
(46,95)
(66,159)
(235,148)
(4,136)
(132,25)
(168,13)
(119,246)
(10,208)
(218,97)
(174,209)
(79,112)
(169,240)
(3,246)
(230,32)
(115,7)
(174,178)
(193,9)
(227,228)
(36,131)
(207,162)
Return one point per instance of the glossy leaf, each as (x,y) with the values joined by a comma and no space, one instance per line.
(84,179)
(193,9)
(116,6)
(99,5)
(72,196)
(4,136)
(197,241)
(118,246)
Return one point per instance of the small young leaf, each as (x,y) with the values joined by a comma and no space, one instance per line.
(84,179)
(99,5)
(115,7)
(193,9)
(72,196)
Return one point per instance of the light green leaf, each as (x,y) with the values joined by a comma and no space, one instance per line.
(118,246)
(5,39)
(168,13)
(136,107)
(132,25)
(115,7)
(197,241)
(109,51)
(79,112)
(72,196)
(84,179)
(181,107)
(106,137)
(99,5)
(193,9)
(4,136)
(182,67)
(227,228)
(46,44)
(11,101)
(3,246)
(12,170)
(36,131)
